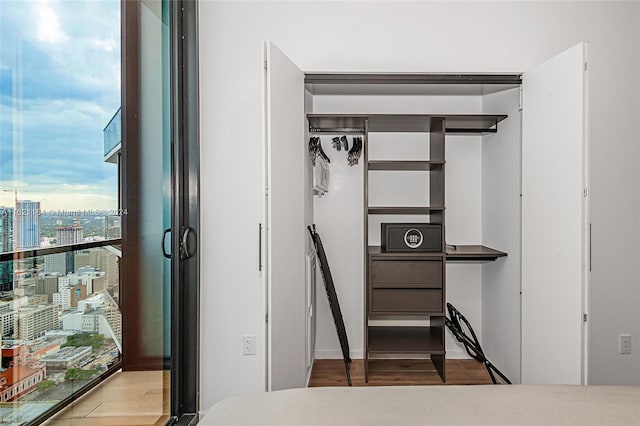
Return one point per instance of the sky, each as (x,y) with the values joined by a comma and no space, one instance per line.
(59,87)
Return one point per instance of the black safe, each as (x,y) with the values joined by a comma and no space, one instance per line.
(411,237)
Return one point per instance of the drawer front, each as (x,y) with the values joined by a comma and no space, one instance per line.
(392,300)
(406,273)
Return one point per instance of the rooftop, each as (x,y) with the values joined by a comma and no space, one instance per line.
(66,354)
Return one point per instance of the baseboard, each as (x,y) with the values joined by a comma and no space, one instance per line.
(357,354)
(309,372)
(457,354)
(337,354)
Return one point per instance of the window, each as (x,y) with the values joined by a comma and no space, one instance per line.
(59,144)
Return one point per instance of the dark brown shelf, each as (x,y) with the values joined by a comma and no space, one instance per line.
(404,210)
(338,131)
(413,78)
(376,251)
(455,123)
(404,165)
(481,132)
(327,123)
(472,253)
(389,340)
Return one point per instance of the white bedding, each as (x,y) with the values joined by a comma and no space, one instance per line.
(434,405)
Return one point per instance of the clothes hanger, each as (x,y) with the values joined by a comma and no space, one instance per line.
(335,141)
(355,152)
(345,144)
(313,150)
(321,151)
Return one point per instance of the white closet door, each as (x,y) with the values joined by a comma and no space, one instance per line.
(285,233)
(553,212)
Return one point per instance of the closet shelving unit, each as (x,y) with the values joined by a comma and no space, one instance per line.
(409,286)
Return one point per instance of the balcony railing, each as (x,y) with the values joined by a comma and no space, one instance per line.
(60,324)
(113,137)
(44,251)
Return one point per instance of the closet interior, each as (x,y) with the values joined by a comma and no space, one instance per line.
(434,159)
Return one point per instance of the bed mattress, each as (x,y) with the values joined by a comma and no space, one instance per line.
(434,405)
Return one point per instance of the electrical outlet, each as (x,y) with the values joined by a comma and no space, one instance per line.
(248,345)
(625,343)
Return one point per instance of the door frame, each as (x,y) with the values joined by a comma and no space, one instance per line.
(318,79)
(472,81)
(132,354)
(185,278)
(185,274)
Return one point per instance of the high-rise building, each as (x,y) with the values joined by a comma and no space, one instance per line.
(6,228)
(25,290)
(7,322)
(86,276)
(47,285)
(38,299)
(82,258)
(6,244)
(114,318)
(33,321)
(7,318)
(99,284)
(71,234)
(76,294)
(66,235)
(62,299)
(103,260)
(90,277)
(56,264)
(69,297)
(66,281)
(112,227)
(27,231)
(6,276)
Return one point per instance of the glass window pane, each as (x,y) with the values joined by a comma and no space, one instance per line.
(59,166)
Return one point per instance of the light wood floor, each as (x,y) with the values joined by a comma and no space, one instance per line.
(126,398)
(330,372)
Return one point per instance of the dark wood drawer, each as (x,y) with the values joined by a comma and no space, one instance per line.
(403,301)
(409,273)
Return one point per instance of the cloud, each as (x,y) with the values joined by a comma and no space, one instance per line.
(59,86)
(100,195)
(48,25)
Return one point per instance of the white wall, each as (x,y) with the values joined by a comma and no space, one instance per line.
(232,292)
(420,37)
(312,276)
(501,187)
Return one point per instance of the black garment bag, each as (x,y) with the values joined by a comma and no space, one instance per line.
(333,300)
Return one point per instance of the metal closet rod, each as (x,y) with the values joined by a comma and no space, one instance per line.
(336,130)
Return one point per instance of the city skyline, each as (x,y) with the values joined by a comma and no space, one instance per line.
(59,87)
(60,324)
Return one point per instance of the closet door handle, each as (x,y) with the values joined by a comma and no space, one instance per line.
(259,247)
(589,247)
(164,238)
(184,244)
